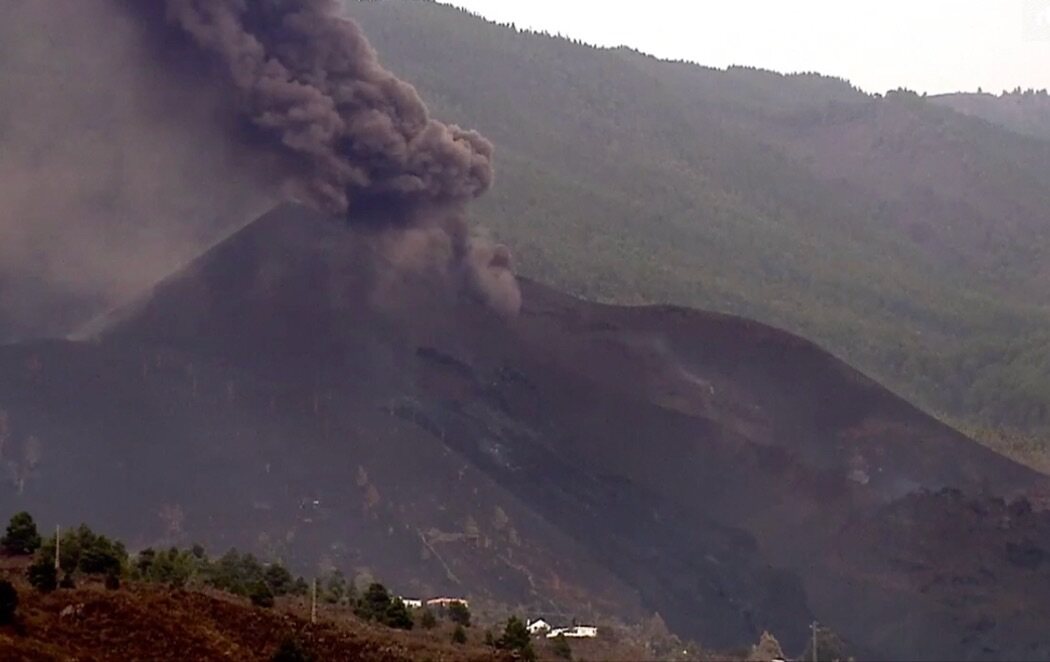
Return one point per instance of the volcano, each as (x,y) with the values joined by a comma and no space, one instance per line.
(300,392)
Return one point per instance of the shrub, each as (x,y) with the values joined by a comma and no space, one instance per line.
(335,590)
(279,579)
(829,647)
(516,638)
(459,635)
(291,651)
(42,575)
(375,603)
(21,537)
(459,613)
(100,556)
(427,620)
(113,581)
(260,594)
(67,581)
(397,616)
(515,635)
(8,602)
(561,647)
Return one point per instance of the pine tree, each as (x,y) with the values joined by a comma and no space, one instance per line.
(22,537)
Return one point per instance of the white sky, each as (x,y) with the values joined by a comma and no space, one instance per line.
(927,45)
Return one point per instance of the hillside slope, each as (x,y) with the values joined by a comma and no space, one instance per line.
(289,393)
(143,623)
(908,239)
(1026,112)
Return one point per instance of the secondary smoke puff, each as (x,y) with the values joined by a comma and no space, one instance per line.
(312,87)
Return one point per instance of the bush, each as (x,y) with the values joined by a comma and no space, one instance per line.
(375,603)
(21,538)
(427,620)
(459,613)
(459,635)
(113,581)
(830,647)
(335,589)
(397,616)
(8,602)
(561,647)
(291,651)
(260,595)
(42,575)
(67,581)
(279,579)
(100,556)
(516,637)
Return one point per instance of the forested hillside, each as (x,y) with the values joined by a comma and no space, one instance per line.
(908,238)
(1026,112)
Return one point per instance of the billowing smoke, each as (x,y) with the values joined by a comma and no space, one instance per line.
(134,133)
(347,136)
(312,88)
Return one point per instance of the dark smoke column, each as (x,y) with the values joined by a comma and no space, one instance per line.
(346,132)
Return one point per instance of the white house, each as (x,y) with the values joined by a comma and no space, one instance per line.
(412,603)
(538,626)
(574,632)
(447,602)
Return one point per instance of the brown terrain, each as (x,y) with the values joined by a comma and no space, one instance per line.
(292,394)
(151,623)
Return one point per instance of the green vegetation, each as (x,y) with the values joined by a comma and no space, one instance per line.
(459,635)
(292,651)
(830,647)
(560,647)
(516,638)
(21,537)
(626,179)
(8,602)
(427,620)
(42,575)
(459,613)
(86,554)
(377,605)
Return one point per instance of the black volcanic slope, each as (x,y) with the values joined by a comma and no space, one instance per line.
(287,394)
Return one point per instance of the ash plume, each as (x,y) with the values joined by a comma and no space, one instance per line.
(343,134)
(136,133)
(312,91)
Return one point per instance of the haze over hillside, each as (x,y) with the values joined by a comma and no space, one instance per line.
(909,239)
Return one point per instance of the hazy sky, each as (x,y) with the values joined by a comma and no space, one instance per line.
(926,45)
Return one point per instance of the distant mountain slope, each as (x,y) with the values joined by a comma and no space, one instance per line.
(909,239)
(1024,112)
(285,394)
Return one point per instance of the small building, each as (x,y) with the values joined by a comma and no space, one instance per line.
(574,632)
(538,627)
(412,603)
(445,603)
